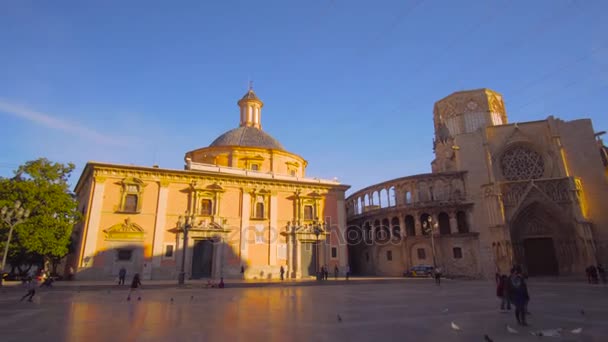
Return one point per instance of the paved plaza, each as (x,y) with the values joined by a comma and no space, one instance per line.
(403,310)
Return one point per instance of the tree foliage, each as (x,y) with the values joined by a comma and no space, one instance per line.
(42,187)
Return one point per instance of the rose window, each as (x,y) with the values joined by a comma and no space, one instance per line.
(520,163)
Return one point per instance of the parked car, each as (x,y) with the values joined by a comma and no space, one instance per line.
(419,271)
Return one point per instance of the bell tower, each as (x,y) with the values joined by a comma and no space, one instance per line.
(251,109)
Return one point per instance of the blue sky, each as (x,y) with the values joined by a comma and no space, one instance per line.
(348,85)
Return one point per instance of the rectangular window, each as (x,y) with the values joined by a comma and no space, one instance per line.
(259,210)
(124,254)
(206,207)
(308,212)
(334,252)
(389,255)
(254,167)
(457,252)
(168,251)
(292,173)
(131,203)
(421,254)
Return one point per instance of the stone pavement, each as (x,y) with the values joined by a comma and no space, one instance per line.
(407,310)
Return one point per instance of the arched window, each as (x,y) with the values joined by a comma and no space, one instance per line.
(206,207)
(391,196)
(377,230)
(375,198)
(366,200)
(359,206)
(444,223)
(259,210)
(408,197)
(424,223)
(410,226)
(383,198)
(396,228)
(461,220)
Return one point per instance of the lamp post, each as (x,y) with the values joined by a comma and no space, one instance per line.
(185,223)
(12,217)
(429,227)
(317,232)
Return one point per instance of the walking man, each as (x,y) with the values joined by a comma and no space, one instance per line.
(347,272)
(438,276)
(282,271)
(31,290)
(336,271)
(518,293)
(122,274)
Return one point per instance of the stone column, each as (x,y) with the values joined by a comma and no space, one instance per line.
(290,266)
(402,226)
(245,214)
(92,229)
(341,234)
(218,258)
(417,225)
(273,233)
(159,225)
(298,258)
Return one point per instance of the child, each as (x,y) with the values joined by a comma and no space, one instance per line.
(135,286)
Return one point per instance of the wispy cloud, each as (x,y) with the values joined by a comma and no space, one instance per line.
(54,122)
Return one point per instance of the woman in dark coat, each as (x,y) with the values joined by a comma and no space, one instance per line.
(518,293)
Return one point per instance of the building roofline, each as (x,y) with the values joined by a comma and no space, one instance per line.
(309,181)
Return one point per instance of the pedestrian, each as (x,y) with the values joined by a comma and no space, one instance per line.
(71,273)
(135,286)
(502,291)
(221,284)
(438,275)
(347,272)
(122,274)
(518,293)
(326,272)
(594,277)
(282,271)
(602,272)
(31,289)
(588,273)
(336,271)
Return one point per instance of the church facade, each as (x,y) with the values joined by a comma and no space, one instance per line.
(499,194)
(241,207)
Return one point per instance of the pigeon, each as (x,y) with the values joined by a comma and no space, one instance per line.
(454,326)
(191,298)
(171,299)
(511,330)
(577,330)
(138,298)
(583,312)
(339,318)
(487,338)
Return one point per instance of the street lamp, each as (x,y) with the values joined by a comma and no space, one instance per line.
(429,228)
(317,231)
(12,217)
(185,223)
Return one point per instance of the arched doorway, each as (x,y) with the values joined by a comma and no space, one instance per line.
(535,233)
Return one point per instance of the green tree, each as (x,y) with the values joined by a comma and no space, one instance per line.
(41,186)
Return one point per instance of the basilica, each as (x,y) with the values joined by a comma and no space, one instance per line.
(499,194)
(242,207)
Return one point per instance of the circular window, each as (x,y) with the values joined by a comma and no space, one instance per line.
(521,163)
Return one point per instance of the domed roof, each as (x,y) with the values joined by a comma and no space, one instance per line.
(247,136)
